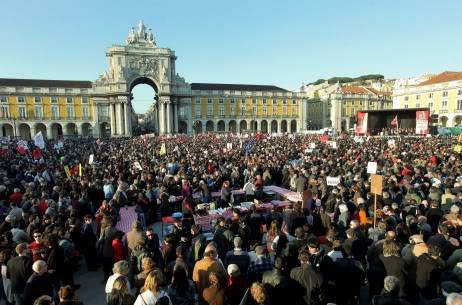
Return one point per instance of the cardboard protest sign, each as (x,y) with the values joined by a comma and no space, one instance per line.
(391,143)
(376,184)
(371,167)
(229,146)
(312,145)
(91,159)
(333,181)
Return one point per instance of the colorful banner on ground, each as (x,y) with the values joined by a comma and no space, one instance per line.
(421,122)
(361,123)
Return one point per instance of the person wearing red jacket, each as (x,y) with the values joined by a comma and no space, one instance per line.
(118,247)
(16,197)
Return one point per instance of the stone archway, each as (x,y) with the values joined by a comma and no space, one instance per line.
(221,126)
(253,126)
(283,126)
(198,127)
(71,129)
(86,130)
(443,121)
(232,126)
(24,131)
(41,127)
(56,130)
(243,126)
(274,126)
(141,61)
(293,126)
(105,130)
(7,130)
(183,127)
(209,126)
(458,120)
(264,126)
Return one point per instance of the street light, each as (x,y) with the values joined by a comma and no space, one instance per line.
(196,126)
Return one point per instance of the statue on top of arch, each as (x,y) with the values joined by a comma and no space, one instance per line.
(141,36)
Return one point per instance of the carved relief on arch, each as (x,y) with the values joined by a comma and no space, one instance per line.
(141,66)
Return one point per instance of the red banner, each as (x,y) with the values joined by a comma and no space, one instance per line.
(421,122)
(361,123)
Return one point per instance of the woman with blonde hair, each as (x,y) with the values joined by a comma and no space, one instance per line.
(147,264)
(120,294)
(151,291)
(258,293)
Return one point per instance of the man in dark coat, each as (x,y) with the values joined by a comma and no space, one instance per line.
(429,269)
(349,276)
(108,234)
(19,269)
(306,277)
(39,283)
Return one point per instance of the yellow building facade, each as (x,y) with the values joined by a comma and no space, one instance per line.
(56,108)
(348,100)
(245,108)
(441,93)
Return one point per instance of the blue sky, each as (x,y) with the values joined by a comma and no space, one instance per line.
(281,43)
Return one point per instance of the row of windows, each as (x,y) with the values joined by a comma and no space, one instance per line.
(254,101)
(50,90)
(430,95)
(444,105)
(38,99)
(38,112)
(244,110)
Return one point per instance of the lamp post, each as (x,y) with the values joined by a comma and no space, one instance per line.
(196,126)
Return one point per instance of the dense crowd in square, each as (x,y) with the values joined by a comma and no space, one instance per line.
(90,204)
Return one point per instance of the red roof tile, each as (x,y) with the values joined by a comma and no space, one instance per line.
(354,90)
(444,77)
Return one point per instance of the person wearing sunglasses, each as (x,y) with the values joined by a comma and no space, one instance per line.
(37,247)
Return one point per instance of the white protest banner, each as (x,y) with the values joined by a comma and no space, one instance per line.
(312,145)
(332,144)
(372,167)
(39,141)
(333,181)
(138,165)
(229,146)
(358,139)
(90,159)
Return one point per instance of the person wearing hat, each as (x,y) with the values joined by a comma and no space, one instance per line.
(208,264)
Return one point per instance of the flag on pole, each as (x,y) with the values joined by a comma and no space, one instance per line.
(68,172)
(39,141)
(163,150)
(394,122)
(80,169)
(36,153)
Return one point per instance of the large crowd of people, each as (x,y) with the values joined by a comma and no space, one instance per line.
(90,205)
